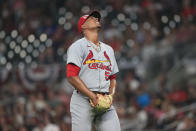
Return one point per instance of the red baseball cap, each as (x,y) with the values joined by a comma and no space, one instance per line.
(82,20)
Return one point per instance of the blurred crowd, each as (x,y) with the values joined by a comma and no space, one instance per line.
(155,47)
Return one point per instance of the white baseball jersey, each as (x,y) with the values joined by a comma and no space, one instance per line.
(95,66)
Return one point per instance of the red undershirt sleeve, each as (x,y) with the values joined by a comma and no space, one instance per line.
(112,77)
(72,70)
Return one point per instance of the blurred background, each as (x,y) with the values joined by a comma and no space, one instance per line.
(155,47)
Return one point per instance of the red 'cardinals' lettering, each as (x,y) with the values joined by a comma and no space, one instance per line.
(94,65)
(100,66)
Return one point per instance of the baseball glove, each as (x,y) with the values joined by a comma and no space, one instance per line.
(104,103)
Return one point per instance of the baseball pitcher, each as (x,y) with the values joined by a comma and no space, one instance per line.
(91,69)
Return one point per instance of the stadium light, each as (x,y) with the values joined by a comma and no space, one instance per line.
(21,65)
(166,30)
(12,44)
(35,53)
(7,39)
(172,24)
(67,26)
(28,59)
(23,54)
(109,8)
(36,43)
(24,44)
(61,20)
(147,25)
(14,33)
(48,42)
(121,17)
(127,21)
(121,27)
(62,11)
(9,66)
(65,57)
(130,43)
(10,54)
(85,9)
(104,13)
(29,48)
(34,64)
(115,22)
(43,37)
(2,34)
(164,19)
(134,26)
(31,38)
(3,60)
(17,49)
(42,48)
(177,18)
(19,39)
(68,15)
(60,51)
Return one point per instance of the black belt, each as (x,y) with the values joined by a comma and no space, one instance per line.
(97,92)
(103,93)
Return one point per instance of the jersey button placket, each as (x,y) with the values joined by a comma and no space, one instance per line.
(99,73)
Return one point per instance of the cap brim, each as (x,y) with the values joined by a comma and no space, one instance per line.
(95,14)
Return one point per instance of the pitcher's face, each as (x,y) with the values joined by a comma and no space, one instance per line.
(91,24)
